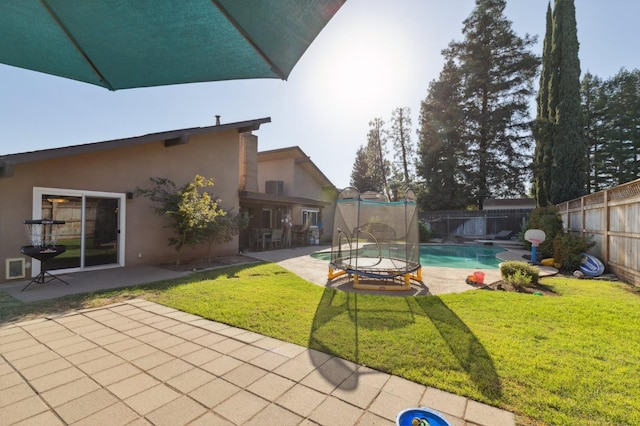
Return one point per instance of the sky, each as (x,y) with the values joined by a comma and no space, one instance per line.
(372,57)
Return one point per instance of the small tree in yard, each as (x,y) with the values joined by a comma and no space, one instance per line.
(195,216)
(222,229)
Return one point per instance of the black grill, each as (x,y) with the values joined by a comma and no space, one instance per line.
(42,236)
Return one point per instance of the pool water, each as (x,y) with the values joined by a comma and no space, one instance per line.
(460,256)
(449,256)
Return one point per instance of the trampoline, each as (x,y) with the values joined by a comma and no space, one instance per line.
(376,241)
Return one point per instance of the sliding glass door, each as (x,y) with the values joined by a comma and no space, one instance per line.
(67,208)
(93,229)
(101,231)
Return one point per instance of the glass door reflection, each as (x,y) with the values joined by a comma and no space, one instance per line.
(90,233)
(101,231)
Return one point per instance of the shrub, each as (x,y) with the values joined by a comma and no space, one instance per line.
(425,231)
(193,214)
(568,249)
(548,219)
(520,279)
(519,274)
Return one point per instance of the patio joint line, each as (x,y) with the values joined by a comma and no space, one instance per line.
(28,382)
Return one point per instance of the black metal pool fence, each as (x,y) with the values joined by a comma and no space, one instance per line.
(474,223)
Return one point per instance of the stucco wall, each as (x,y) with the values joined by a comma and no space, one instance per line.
(123,170)
(306,186)
(277,170)
(297,181)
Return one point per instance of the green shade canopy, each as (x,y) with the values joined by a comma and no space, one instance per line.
(120,44)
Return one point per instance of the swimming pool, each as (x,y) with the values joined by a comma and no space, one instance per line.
(460,256)
(450,256)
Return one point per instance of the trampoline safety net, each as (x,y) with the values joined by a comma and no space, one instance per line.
(375,238)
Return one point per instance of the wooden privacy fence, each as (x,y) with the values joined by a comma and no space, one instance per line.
(612,218)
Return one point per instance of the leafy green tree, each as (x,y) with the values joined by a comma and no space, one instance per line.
(222,227)
(440,144)
(194,215)
(622,127)
(611,114)
(360,175)
(569,169)
(594,118)
(496,69)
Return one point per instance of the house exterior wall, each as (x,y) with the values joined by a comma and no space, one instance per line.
(298,182)
(121,170)
(277,170)
(306,186)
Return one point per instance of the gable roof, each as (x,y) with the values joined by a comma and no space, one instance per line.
(299,157)
(172,137)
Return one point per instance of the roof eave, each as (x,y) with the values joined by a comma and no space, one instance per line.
(47,154)
(260,197)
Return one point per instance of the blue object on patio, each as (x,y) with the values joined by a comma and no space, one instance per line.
(120,44)
(591,266)
(431,417)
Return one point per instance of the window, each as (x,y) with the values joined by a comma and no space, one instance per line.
(272,218)
(310,216)
(93,232)
(266,218)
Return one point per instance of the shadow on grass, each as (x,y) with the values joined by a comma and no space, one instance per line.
(469,352)
(463,344)
(333,304)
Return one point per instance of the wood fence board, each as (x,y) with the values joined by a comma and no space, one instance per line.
(619,208)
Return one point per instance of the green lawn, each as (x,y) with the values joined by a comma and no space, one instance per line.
(571,359)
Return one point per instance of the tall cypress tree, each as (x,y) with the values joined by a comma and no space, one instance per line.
(569,169)
(543,161)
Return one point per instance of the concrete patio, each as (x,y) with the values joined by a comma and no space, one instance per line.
(141,363)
